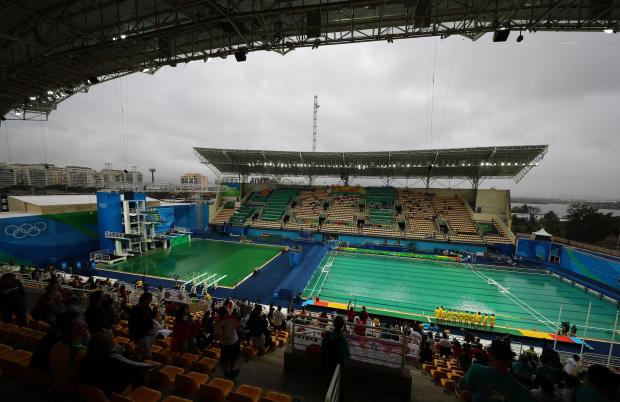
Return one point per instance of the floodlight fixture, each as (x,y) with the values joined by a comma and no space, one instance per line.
(241,55)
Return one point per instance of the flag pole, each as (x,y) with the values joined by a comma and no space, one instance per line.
(585,330)
(555,338)
(613,338)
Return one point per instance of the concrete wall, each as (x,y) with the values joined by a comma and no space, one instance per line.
(495,202)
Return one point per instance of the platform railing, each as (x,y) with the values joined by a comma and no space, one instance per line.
(378,345)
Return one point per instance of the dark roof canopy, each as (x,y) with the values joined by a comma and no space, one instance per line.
(52,49)
(473,163)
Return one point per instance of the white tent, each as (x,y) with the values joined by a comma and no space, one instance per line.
(541,234)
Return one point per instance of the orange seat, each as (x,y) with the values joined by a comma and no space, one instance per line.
(91,394)
(427,367)
(140,394)
(276,397)
(205,365)
(4,349)
(438,375)
(173,398)
(248,352)
(245,393)
(165,375)
(217,390)
(155,348)
(189,384)
(162,357)
(213,353)
(19,356)
(452,376)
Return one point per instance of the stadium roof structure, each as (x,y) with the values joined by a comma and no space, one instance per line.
(505,162)
(52,49)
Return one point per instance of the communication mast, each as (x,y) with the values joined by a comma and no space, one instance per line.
(314,118)
(316,109)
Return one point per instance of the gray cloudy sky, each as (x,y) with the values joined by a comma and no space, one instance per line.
(557,89)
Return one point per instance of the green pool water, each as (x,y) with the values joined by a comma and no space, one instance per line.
(235,260)
(410,288)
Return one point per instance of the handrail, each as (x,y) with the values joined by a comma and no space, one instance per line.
(333,392)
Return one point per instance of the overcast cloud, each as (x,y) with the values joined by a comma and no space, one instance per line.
(557,89)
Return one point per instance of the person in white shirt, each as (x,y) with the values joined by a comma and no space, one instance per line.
(278,319)
(571,365)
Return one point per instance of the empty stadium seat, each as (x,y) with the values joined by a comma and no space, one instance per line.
(174,398)
(91,394)
(140,394)
(217,390)
(245,393)
(165,375)
(205,365)
(189,384)
(276,397)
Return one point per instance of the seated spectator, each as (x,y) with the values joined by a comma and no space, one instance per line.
(66,355)
(522,371)
(49,305)
(12,299)
(107,370)
(601,385)
(184,331)
(546,392)
(100,314)
(571,365)
(493,382)
(40,359)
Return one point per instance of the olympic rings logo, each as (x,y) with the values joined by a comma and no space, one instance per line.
(25,229)
(102,205)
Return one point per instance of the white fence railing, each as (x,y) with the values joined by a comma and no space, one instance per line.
(367,344)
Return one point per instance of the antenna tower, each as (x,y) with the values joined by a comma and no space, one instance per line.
(316,109)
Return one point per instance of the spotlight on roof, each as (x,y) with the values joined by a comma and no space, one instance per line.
(501,35)
(123,36)
(520,38)
(241,55)
(608,30)
(50,92)
(33,98)
(18,112)
(92,80)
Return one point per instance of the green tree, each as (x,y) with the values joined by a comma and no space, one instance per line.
(551,223)
(586,224)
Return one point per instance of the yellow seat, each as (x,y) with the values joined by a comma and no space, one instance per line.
(447,384)
(273,396)
(205,365)
(427,367)
(438,375)
(189,384)
(452,376)
(245,393)
(165,375)
(217,390)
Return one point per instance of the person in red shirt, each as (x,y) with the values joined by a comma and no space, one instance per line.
(350,314)
(184,331)
(363,315)
(360,327)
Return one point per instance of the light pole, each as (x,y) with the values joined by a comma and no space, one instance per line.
(152,170)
